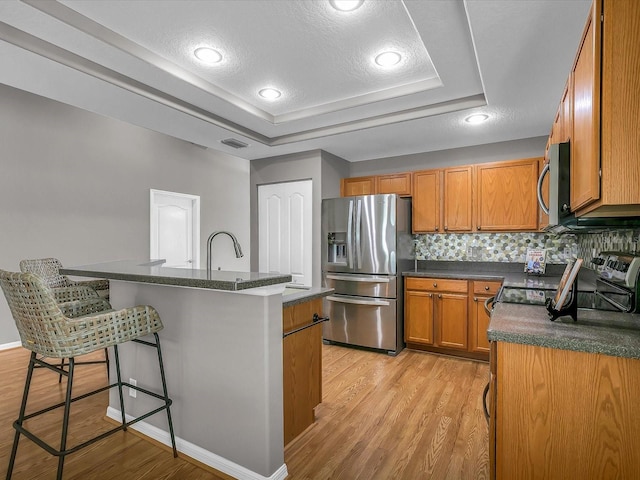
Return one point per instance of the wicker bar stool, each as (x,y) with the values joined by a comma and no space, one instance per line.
(47,331)
(70,294)
(49,270)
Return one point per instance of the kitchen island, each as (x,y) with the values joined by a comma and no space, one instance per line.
(222,346)
(563,394)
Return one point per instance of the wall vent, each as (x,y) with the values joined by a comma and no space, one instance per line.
(232,142)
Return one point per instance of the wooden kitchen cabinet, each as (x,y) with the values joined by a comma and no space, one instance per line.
(585,158)
(357,186)
(436,313)
(426,201)
(419,317)
(302,367)
(506,197)
(442,200)
(457,199)
(606,108)
(563,415)
(478,317)
(399,183)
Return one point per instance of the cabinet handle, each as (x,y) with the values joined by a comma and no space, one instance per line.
(486,288)
(479,227)
(430,295)
(446,228)
(475,299)
(485,393)
(436,229)
(439,295)
(435,284)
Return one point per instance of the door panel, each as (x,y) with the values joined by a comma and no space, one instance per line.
(175,228)
(363,229)
(285,229)
(362,285)
(452,320)
(361,321)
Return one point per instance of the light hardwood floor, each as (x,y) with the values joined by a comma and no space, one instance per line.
(414,416)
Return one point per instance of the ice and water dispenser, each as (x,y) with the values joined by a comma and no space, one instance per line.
(337,247)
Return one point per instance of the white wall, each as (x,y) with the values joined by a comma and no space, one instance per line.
(75,185)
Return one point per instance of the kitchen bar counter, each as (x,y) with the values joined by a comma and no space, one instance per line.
(222,346)
(152,271)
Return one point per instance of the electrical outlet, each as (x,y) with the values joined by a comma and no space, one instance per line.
(133,391)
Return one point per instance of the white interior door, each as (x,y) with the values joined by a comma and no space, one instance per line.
(175,229)
(284,226)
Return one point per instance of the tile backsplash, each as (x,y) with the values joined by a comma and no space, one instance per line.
(590,244)
(512,247)
(494,247)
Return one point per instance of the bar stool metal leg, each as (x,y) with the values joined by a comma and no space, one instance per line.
(166,395)
(65,419)
(119,379)
(23,406)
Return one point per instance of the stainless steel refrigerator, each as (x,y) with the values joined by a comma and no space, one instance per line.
(366,245)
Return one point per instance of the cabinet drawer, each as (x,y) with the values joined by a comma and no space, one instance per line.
(486,288)
(437,285)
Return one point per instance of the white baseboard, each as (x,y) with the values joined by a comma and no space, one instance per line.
(197,453)
(7,346)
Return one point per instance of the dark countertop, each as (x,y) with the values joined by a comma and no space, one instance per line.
(596,331)
(511,274)
(152,271)
(291,297)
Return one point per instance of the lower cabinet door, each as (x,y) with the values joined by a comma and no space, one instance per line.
(418,317)
(302,365)
(452,312)
(479,323)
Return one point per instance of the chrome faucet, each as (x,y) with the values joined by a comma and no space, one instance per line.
(236,246)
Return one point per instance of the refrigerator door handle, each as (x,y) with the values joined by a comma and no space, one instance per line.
(358,229)
(350,236)
(355,301)
(351,278)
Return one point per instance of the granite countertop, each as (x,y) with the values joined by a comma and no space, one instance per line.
(152,271)
(510,274)
(596,331)
(295,296)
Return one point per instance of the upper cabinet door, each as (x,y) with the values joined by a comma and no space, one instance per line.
(585,138)
(353,186)
(457,199)
(506,195)
(426,201)
(399,183)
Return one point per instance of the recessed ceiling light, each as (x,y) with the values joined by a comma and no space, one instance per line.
(346,5)
(477,118)
(388,59)
(208,55)
(269,93)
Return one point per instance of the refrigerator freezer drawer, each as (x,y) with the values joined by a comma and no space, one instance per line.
(366,322)
(362,285)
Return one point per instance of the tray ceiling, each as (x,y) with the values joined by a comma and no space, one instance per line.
(134,61)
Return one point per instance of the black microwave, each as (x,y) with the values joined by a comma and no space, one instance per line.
(561,218)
